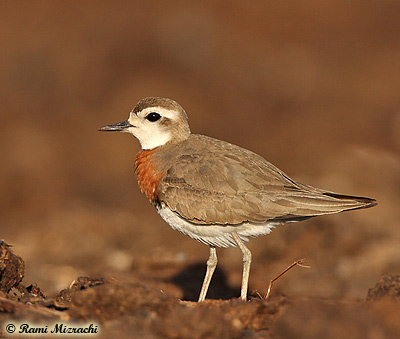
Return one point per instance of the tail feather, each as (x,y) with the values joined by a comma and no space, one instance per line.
(315,203)
(363,201)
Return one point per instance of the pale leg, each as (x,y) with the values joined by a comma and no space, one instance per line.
(246,265)
(211,265)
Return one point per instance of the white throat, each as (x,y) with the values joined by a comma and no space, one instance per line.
(150,140)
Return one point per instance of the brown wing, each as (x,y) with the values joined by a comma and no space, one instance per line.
(214,182)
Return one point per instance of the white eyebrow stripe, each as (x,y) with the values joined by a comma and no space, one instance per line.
(164,112)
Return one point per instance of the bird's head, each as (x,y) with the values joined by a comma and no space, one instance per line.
(155,122)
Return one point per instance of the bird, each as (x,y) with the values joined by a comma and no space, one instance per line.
(216,192)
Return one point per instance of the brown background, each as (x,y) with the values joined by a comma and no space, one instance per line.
(311,86)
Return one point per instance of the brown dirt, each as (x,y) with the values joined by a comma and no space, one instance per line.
(132,305)
(313,87)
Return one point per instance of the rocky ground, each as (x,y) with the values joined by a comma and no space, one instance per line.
(152,307)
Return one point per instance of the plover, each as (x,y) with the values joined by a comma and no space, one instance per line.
(213,191)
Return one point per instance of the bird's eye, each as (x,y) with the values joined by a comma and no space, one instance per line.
(153,116)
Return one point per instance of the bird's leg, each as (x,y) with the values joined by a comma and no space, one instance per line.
(211,265)
(246,265)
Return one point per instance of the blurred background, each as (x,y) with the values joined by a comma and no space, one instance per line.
(312,86)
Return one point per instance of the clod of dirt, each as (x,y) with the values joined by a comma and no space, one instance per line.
(63,299)
(12,268)
(387,286)
(112,299)
(32,294)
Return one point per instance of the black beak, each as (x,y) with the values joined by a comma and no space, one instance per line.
(119,126)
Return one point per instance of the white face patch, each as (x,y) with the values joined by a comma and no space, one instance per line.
(151,134)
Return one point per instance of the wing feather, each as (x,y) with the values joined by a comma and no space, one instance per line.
(214,182)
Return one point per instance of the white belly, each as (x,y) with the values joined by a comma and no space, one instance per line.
(214,235)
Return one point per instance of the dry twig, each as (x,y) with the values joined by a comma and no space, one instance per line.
(300,262)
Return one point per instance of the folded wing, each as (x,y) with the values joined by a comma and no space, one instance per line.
(221,183)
